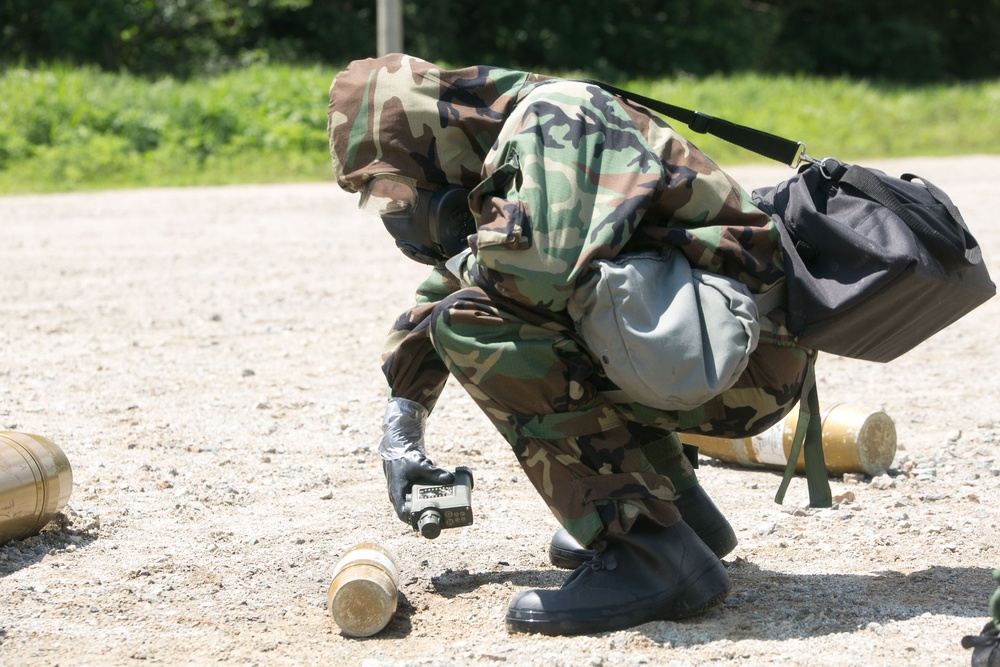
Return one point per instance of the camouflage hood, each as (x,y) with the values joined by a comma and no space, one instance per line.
(561,173)
(399,114)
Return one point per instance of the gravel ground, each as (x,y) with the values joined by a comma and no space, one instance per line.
(208,360)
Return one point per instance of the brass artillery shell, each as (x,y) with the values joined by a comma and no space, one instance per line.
(362,595)
(35,483)
(854,440)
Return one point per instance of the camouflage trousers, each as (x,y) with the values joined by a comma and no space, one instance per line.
(598,465)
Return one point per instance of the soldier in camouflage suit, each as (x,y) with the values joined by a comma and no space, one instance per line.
(559,173)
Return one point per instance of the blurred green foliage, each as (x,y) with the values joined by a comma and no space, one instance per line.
(904,40)
(125,93)
(851,119)
(66,128)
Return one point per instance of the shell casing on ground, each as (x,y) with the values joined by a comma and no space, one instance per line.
(854,441)
(363,594)
(35,483)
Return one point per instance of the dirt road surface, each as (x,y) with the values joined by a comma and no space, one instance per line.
(208,359)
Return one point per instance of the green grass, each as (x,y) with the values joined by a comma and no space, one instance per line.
(853,120)
(67,128)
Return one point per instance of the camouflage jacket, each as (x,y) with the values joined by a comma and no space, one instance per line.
(561,173)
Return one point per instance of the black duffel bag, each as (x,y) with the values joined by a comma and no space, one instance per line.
(874,265)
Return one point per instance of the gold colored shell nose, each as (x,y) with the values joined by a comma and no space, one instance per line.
(35,483)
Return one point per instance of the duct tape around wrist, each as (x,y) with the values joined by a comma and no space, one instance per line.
(402,428)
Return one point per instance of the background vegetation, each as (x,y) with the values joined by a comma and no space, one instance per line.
(122,93)
(64,128)
(907,40)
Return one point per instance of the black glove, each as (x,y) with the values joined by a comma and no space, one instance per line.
(402,449)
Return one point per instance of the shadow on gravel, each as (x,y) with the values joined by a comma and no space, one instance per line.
(57,538)
(461,583)
(776,606)
(400,626)
(768,605)
(454,583)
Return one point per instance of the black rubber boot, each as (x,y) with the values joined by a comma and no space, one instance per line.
(697,510)
(985,647)
(650,574)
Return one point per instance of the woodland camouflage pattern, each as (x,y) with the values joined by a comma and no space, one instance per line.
(561,173)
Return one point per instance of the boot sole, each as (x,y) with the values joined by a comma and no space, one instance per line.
(700,593)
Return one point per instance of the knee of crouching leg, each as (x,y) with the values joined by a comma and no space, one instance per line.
(440,320)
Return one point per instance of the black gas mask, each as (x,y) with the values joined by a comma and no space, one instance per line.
(429,226)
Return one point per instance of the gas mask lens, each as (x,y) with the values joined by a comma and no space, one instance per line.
(389,197)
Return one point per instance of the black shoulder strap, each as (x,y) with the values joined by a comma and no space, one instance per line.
(770,146)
